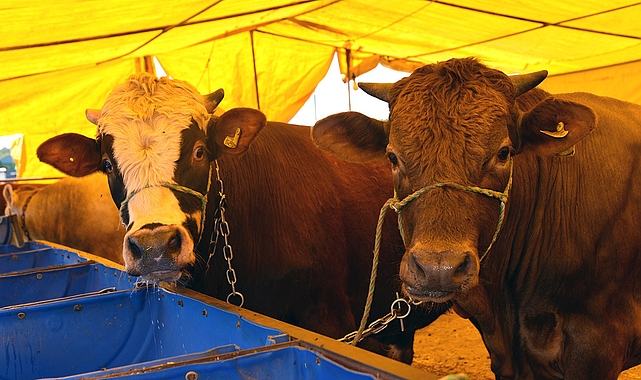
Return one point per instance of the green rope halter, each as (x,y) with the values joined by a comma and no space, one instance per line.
(396,205)
(173,186)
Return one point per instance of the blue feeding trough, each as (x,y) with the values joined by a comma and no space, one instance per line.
(65,314)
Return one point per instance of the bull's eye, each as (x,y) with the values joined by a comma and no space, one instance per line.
(392,158)
(107,166)
(503,154)
(199,153)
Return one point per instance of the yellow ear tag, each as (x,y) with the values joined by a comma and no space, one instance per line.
(559,133)
(232,142)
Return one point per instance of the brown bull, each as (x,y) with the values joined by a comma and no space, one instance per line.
(521,206)
(299,240)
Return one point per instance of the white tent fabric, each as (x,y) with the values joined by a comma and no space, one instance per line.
(59,58)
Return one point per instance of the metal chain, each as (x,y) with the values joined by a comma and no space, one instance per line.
(221,228)
(23,218)
(380,324)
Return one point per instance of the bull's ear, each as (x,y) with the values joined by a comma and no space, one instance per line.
(73,154)
(351,136)
(236,129)
(554,126)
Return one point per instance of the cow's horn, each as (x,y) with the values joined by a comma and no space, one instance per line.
(377,90)
(525,82)
(213,100)
(92,115)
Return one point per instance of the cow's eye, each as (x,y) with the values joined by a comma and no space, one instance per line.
(392,158)
(199,153)
(504,153)
(107,166)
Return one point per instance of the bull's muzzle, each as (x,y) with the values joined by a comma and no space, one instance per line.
(438,275)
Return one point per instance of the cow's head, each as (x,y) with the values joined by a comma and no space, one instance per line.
(453,129)
(156,139)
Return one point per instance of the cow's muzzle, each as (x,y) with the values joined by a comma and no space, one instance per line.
(158,252)
(438,276)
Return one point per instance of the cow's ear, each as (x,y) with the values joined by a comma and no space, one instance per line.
(351,136)
(92,115)
(73,154)
(235,130)
(7,194)
(554,126)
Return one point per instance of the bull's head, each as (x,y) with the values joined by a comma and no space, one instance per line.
(156,140)
(452,132)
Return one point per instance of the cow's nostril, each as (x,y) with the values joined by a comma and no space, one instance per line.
(463,268)
(466,269)
(174,242)
(421,269)
(135,249)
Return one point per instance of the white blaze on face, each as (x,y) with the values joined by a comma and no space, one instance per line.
(155,205)
(158,205)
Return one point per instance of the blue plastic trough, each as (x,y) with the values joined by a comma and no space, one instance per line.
(67,314)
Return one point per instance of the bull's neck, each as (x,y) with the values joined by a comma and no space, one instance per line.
(515,257)
(533,226)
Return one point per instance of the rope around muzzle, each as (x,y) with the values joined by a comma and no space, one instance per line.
(396,205)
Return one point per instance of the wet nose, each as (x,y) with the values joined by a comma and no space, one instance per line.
(155,242)
(447,270)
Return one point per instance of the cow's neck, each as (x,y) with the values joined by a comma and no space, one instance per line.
(519,263)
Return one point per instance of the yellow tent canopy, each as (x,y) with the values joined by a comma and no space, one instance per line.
(59,58)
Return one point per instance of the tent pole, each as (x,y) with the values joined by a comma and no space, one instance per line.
(251,36)
(348,64)
(145,64)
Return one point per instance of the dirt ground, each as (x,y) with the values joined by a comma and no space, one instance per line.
(453,345)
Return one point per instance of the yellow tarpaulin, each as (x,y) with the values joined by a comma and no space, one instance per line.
(59,58)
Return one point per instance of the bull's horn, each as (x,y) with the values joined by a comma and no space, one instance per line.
(92,115)
(213,100)
(525,82)
(377,90)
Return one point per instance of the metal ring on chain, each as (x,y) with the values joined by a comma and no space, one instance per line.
(240,295)
(399,301)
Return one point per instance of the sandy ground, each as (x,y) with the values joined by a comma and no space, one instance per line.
(453,345)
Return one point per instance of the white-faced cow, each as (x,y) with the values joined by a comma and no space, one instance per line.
(301,222)
(76,212)
(522,207)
